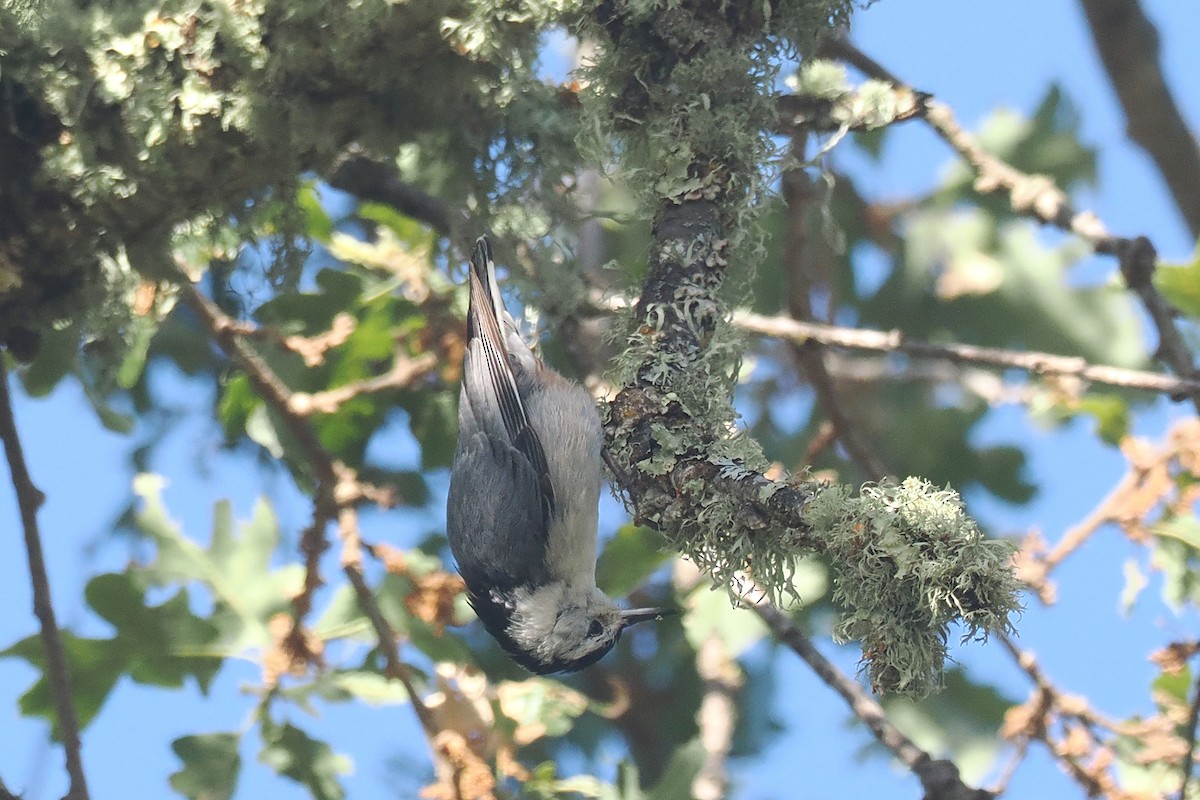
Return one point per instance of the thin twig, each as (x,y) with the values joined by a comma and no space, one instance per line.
(798,194)
(404,373)
(717,717)
(1010,768)
(1038,197)
(336,493)
(940,778)
(379,181)
(1189,758)
(397,669)
(58,670)
(270,388)
(1051,704)
(896,341)
(1127,42)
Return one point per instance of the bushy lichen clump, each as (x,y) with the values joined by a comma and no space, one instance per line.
(908,563)
(130,121)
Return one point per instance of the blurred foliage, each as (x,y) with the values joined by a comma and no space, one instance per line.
(198,136)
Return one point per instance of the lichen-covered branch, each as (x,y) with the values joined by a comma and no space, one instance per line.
(686,93)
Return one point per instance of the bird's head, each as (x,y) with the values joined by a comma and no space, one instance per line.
(559,629)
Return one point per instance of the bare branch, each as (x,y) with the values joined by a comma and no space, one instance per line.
(1127,42)
(797,192)
(722,678)
(1189,758)
(896,341)
(1079,746)
(336,493)
(404,373)
(1038,197)
(939,777)
(378,181)
(229,335)
(58,670)
(844,113)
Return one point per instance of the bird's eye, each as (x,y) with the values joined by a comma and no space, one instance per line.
(595,629)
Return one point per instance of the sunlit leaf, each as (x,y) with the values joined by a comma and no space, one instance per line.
(710,613)
(235,569)
(316,220)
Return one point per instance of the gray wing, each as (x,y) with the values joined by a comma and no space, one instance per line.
(501,499)
(493,517)
(490,379)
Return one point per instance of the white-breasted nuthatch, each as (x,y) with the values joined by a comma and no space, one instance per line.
(524,496)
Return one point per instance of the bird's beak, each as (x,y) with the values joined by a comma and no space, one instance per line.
(633,616)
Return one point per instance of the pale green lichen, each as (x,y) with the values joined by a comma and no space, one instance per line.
(909,562)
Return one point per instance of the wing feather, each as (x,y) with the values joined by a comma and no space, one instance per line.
(498,391)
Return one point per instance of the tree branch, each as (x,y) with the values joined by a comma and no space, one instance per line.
(58,669)
(1188,764)
(404,373)
(1127,43)
(940,778)
(1189,758)
(1038,197)
(798,194)
(336,493)
(896,341)
(378,181)
(1079,723)
(717,717)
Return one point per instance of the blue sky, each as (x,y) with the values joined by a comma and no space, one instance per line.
(975,56)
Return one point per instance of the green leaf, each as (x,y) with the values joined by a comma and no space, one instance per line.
(1180,284)
(235,569)
(317,223)
(540,707)
(210,765)
(343,618)
(407,230)
(313,312)
(164,644)
(1176,686)
(434,423)
(1111,413)
(260,427)
(238,401)
(95,666)
(112,419)
(57,355)
(294,754)
(711,613)
(871,142)
(628,559)
(141,335)
(681,770)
